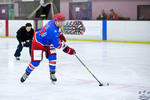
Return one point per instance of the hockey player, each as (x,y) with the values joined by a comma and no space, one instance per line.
(24,36)
(46,40)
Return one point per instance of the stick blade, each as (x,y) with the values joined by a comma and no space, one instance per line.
(104,84)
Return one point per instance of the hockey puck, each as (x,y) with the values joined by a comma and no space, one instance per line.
(107,84)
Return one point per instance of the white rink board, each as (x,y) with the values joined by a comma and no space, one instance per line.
(116,30)
(128,30)
(93,31)
(15,25)
(2,28)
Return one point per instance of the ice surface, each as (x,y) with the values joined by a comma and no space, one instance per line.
(125,66)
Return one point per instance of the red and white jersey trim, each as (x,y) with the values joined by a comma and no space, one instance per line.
(60,46)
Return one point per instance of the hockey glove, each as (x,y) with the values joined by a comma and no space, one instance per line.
(69,50)
(62,38)
(26,44)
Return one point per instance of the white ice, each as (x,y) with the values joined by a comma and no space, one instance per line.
(125,66)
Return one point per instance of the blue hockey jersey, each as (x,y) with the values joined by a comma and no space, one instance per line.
(49,34)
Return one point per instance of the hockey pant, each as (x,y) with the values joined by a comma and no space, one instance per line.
(37,56)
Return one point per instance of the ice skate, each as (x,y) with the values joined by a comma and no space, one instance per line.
(52,77)
(24,77)
(17,58)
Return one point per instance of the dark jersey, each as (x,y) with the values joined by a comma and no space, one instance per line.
(23,35)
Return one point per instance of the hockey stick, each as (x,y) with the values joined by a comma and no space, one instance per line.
(100,84)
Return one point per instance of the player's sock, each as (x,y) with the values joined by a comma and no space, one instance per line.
(29,69)
(52,62)
(24,77)
(32,66)
(52,76)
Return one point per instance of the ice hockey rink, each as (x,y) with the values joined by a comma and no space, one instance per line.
(126,67)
